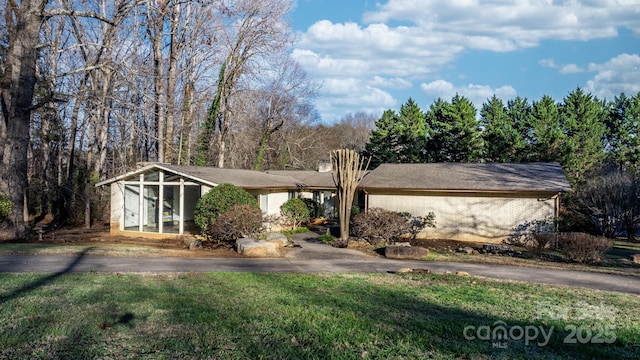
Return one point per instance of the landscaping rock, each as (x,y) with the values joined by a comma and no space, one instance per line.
(278,238)
(195,244)
(415,271)
(405,252)
(255,248)
(422,271)
(467,249)
(240,243)
(496,248)
(635,258)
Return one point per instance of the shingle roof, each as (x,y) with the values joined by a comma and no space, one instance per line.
(311,178)
(247,179)
(474,177)
(524,177)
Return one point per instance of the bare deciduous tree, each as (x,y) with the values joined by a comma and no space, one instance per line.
(253,30)
(348,170)
(285,98)
(613,202)
(17,86)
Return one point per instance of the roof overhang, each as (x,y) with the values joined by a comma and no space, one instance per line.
(147,168)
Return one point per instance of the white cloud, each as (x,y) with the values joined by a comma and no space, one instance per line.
(570,69)
(514,24)
(403,42)
(620,74)
(478,94)
(393,83)
(350,95)
(549,62)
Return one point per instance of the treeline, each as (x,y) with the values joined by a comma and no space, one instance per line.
(90,88)
(581,132)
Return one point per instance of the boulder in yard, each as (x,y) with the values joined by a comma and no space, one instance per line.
(635,258)
(240,243)
(405,252)
(278,238)
(255,248)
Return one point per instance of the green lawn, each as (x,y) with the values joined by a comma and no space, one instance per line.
(277,316)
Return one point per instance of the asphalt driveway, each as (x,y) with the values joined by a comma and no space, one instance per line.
(314,257)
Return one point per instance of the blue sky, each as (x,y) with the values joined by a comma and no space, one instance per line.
(373,55)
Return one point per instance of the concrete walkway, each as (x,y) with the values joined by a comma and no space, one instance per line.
(314,257)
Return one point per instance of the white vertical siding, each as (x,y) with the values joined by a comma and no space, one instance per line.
(470,218)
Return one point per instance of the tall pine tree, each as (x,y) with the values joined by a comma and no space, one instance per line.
(582,117)
(398,138)
(623,132)
(502,139)
(457,136)
(546,135)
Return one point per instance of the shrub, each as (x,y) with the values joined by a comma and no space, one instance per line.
(355,210)
(583,248)
(218,201)
(239,221)
(295,211)
(5,207)
(536,235)
(417,223)
(378,226)
(315,210)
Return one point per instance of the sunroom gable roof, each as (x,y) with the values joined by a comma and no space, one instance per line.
(246,179)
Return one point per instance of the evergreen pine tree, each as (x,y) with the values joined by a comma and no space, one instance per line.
(503,141)
(582,117)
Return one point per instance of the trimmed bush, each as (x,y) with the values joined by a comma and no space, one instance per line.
(583,248)
(378,226)
(218,201)
(295,211)
(5,207)
(537,235)
(240,221)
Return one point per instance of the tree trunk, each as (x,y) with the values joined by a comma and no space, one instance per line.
(159,87)
(172,72)
(17,88)
(348,170)
(221,147)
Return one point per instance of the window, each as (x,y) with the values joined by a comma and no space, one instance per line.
(154,176)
